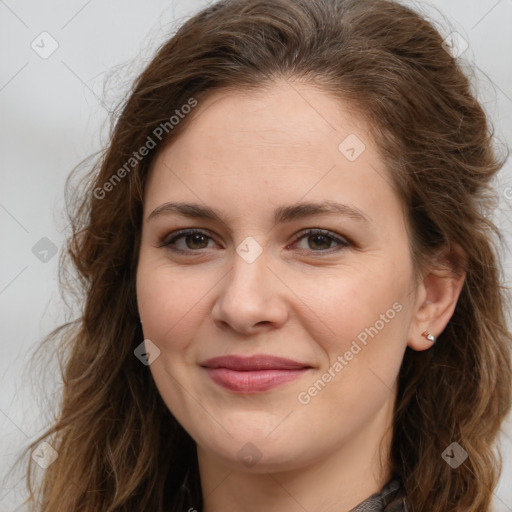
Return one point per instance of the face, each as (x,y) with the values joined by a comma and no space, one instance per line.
(308,309)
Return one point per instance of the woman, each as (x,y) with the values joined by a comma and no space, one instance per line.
(292,291)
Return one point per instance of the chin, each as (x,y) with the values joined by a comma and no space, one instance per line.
(258,453)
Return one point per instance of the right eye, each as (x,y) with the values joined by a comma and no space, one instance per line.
(192,240)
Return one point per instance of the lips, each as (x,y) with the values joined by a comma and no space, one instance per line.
(253,363)
(242,374)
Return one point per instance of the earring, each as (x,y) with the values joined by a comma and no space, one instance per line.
(430,337)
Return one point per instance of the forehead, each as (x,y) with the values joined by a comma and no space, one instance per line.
(288,140)
(285,114)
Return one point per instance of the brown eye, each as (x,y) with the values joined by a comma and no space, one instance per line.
(196,241)
(189,240)
(318,240)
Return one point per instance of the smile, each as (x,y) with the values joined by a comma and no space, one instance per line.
(253,374)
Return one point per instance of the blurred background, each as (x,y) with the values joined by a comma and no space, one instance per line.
(65,66)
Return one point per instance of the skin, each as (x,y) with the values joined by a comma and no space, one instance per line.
(245,154)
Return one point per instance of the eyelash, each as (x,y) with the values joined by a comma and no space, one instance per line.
(343,243)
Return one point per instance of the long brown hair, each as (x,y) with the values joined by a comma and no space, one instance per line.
(119,447)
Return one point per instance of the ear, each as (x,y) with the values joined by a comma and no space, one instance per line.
(436,298)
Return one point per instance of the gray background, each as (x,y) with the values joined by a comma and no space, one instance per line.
(54,114)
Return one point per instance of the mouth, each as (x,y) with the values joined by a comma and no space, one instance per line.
(254,374)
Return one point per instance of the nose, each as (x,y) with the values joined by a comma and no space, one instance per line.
(251,298)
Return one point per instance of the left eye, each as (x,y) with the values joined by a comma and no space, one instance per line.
(322,239)
(318,240)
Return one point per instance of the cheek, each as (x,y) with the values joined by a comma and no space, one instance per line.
(359,325)
(352,304)
(168,304)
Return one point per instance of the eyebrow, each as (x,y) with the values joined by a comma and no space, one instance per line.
(281,214)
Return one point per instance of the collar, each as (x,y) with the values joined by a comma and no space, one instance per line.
(391,498)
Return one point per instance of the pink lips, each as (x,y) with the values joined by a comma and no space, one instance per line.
(252,374)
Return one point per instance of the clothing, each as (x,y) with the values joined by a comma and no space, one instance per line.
(391,498)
